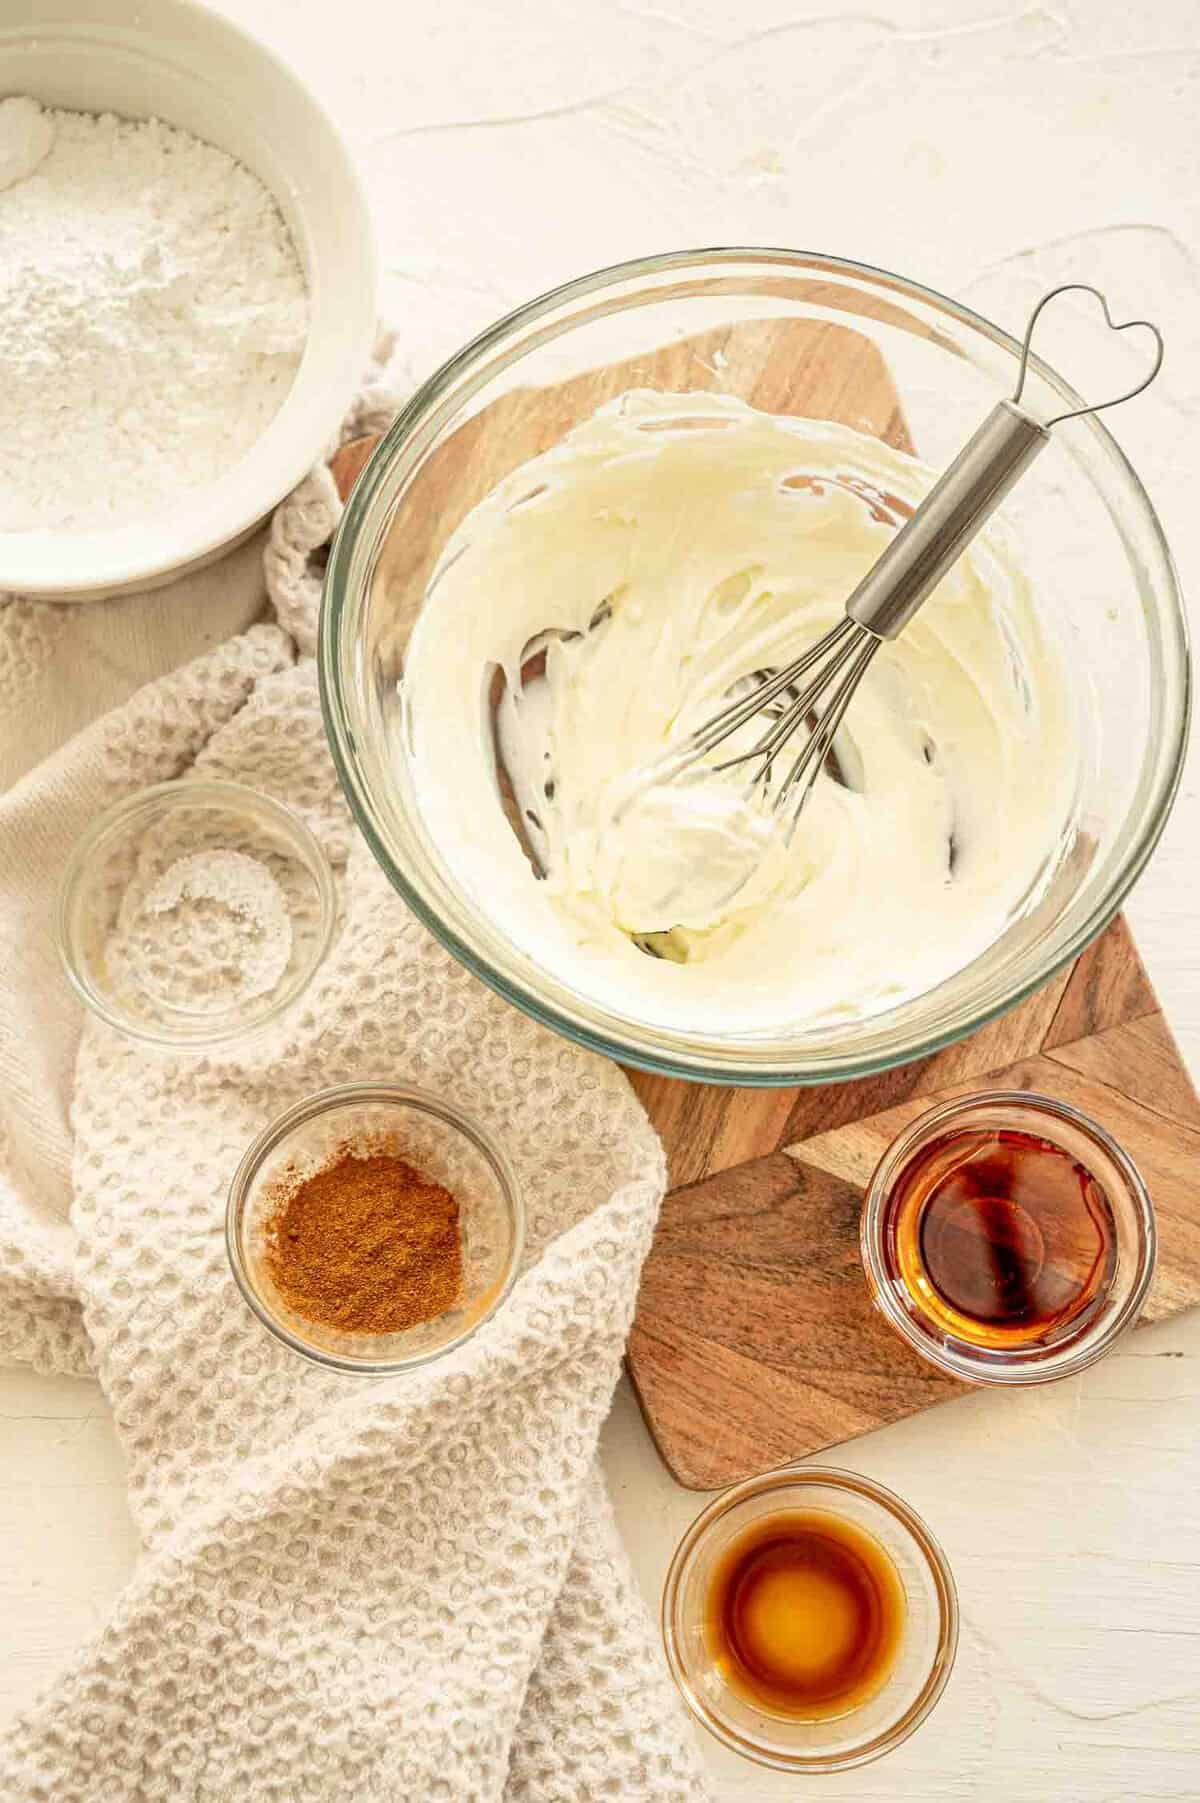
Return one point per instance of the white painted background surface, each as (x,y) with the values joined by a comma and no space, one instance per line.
(987,150)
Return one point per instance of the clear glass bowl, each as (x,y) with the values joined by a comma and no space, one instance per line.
(1087,535)
(928,1641)
(1079,1343)
(193,913)
(446,1146)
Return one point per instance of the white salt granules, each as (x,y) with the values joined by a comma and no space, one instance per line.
(152,316)
(226,931)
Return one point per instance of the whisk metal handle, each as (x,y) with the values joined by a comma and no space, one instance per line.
(947,519)
(974,485)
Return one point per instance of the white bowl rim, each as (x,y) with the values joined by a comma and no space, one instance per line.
(95,564)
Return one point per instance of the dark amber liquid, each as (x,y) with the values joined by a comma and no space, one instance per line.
(805,1614)
(1001,1238)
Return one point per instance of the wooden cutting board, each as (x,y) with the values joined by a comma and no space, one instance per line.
(754,1342)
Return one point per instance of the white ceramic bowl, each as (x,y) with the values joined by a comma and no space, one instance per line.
(179,62)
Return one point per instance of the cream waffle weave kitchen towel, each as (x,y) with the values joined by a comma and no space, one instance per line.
(405,1590)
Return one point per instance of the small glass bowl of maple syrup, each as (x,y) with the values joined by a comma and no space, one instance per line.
(810,1619)
(1008,1238)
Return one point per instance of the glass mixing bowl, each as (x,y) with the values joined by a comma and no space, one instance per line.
(878,353)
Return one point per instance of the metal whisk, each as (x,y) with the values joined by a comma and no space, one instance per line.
(888,596)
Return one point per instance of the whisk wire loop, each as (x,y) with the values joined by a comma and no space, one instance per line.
(728,719)
(1126,325)
(808,765)
(831,652)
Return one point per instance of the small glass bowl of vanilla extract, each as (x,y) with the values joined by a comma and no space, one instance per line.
(1008,1238)
(810,1619)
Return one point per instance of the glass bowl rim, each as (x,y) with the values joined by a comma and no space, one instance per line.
(698,1067)
(1010,1367)
(838,1478)
(324,1101)
(238,798)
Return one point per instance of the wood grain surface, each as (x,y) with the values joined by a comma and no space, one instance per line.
(754,1341)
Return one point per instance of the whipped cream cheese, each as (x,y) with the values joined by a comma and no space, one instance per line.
(665,555)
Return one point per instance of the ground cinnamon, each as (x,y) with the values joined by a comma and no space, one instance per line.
(367,1245)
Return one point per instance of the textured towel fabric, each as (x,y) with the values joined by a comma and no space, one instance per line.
(404,1590)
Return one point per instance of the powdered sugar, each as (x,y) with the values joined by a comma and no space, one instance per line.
(231,932)
(26,134)
(152,316)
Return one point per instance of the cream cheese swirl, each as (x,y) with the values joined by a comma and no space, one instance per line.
(668,552)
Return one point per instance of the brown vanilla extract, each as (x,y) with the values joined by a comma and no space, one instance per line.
(805,1615)
(1001,1238)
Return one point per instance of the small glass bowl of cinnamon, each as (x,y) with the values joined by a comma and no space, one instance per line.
(1008,1238)
(374,1227)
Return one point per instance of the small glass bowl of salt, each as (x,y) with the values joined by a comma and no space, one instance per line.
(195,912)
